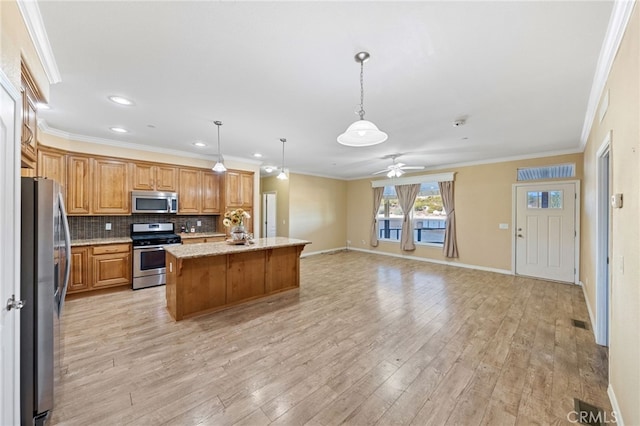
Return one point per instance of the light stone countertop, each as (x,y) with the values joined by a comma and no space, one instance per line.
(187,235)
(190,251)
(99,241)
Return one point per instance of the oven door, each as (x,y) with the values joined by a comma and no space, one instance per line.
(148,261)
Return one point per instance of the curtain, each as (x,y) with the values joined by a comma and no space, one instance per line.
(377,199)
(450,248)
(406,197)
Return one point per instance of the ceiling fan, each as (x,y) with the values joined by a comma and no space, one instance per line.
(397,169)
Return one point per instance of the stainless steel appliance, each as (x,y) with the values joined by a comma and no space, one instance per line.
(154,202)
(149,240)
(44,275)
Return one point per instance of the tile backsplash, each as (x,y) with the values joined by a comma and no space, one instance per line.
(90,227)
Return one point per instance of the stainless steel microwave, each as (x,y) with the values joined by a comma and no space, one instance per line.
(154,202)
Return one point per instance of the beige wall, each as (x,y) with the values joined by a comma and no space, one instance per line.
(622,118)
(317,211)
(281,188)
(483,196)
(15,44)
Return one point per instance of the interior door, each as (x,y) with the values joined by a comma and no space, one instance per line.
(546,231)
(9,235)
(269,209)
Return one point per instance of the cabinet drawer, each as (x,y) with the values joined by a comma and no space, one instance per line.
(112,248)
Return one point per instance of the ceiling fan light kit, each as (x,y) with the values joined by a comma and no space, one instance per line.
(362,132)
(395,170)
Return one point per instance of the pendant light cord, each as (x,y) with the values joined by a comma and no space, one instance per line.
(361,112)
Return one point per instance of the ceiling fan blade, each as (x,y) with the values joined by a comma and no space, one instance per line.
(412,167)
(380,172)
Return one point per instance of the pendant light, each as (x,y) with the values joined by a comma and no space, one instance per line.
(282,175)
(219,167)
(362,132)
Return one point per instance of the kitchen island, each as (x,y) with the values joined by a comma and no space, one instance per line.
(207,277)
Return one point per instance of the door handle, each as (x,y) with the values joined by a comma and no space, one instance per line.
(12,303)
(520,236)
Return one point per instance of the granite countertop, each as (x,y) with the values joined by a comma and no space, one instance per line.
(190,251)
(187,235)
(98,241)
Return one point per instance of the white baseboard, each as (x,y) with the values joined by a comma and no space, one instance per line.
(313,253)
(591,316)
(615,406)
(440,262)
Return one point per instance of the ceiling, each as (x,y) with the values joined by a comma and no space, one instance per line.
(520,73)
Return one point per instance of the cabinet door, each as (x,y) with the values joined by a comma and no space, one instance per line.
(233,196)
(111,265)
(210,192)
(52,165)
(166,178)
(194,240)
(30,97)
(189,191)
(79,279)
(142,176)
(78,185)
(246,189)
(111,187)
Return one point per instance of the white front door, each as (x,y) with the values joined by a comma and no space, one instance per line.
(269,209)
(9,249)
(545,231)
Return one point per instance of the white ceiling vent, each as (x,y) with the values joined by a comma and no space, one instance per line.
(547,172)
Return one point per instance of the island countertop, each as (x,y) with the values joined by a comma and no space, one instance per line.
(191,251)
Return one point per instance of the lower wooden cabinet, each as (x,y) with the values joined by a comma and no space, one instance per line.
(101,266)
(203,240)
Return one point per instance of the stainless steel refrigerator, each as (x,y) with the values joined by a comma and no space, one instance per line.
(44,276)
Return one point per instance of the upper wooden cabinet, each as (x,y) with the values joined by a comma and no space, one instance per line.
(78,185)
(111,194)
(153,177)
(210,192)
(30,97)
(52,164)
(239,188)
(189,201)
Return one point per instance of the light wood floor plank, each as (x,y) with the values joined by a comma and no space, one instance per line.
(366,339)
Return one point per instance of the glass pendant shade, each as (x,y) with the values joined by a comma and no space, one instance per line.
(219,166)
(282,175)
(362,133)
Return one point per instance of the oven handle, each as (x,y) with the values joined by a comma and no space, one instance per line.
(147,248)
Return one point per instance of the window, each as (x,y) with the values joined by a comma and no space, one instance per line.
(427,216)
(544,199)
(547,172)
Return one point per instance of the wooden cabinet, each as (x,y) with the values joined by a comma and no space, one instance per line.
(153,177)
(30,97)
(79,278)
(197,240)
(210,193)
(198,192)
(110,187)
(111,265)
(239,188)
(189,191)
(52,165)
(78,185)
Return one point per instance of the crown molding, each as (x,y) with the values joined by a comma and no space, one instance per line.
(618,22)
(33,20)
(44,127)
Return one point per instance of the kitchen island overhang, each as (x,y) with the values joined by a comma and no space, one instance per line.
(207,277)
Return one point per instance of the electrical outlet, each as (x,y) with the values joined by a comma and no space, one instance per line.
(198,223)
(107,227)
(363,242)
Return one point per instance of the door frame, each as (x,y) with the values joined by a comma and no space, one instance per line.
(514,212)
(10,260)
(603,235)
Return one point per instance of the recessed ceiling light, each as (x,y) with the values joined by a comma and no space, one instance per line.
(200,144)
(41,105)
(257,155)
(118,130)
(120,100)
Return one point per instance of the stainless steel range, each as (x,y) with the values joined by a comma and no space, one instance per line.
(149,240)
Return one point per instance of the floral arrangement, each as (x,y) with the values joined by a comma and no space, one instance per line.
(235,217)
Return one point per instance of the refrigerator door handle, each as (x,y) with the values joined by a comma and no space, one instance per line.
(67,243)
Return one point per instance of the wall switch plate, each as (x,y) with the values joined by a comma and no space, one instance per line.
(198,223)
(503,226)
(107,227)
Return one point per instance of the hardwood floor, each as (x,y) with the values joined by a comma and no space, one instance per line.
(367,339)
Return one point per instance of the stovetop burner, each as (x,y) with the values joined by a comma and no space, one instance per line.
(148,234)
